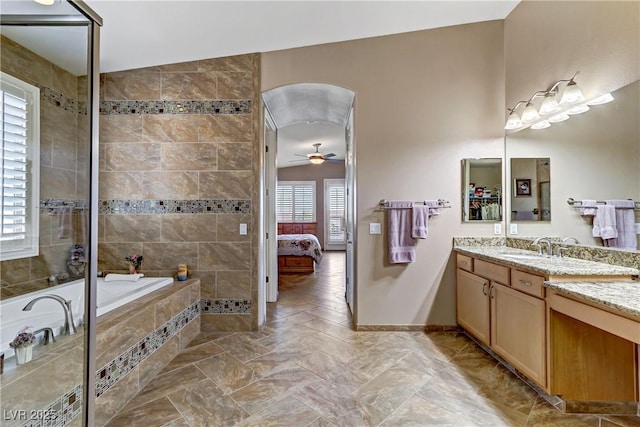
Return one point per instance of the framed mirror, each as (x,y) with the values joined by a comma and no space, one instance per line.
(482,190)
(530,189)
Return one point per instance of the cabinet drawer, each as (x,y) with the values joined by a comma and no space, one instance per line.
(491,271)
(464,262)
(528,283)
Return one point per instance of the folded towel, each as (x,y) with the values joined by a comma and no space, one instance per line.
(399,225)
(625,224)
(112,277)
(433,207)
(420,216)
(604,223)
(588,207)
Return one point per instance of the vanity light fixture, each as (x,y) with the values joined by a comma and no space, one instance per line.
(550,111)
(45,2)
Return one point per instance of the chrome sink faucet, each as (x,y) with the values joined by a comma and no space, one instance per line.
(538,242)
(69,325)
(566,239)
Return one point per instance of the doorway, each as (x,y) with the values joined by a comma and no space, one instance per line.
(303,107)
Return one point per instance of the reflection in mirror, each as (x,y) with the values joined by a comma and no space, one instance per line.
(596,156)
(482,189)
(531,189)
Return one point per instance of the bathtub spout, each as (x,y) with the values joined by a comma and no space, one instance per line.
(69,325)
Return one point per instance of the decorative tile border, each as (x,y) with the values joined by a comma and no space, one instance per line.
(159,207)
(225,306)
(115,370)
(60,100)
(59,413)
(210,106)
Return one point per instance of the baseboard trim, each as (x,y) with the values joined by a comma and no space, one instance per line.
(408,328)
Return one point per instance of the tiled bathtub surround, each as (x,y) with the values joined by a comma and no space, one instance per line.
(178,174)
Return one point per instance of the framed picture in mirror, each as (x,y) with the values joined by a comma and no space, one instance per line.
(522,187)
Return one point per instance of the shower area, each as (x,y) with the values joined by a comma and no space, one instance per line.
(49,66)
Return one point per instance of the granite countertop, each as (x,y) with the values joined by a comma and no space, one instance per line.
(548,265)
(619,295)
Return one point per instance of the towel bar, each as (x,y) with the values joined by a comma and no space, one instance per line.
(578,204)
(442,203)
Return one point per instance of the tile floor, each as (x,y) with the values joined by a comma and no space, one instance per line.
(307,367)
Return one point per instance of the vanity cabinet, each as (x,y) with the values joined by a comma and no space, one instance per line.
(505,309)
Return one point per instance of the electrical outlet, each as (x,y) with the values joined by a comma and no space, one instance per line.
(243,229)
(497,228)
(513,228)
(637,228)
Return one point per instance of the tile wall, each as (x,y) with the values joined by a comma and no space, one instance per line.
(178,175)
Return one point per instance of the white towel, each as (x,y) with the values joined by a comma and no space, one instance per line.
(399,225)
(64,222)
(588,207)
(625,224)
(420,221)
(604,223)
(112,277)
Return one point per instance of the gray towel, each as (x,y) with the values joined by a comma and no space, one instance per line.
(625,224)
(399,225)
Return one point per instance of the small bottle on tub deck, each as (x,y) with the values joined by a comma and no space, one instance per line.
(182,272)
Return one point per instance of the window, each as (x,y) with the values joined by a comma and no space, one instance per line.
(20,160)
(334,214)
(296,201)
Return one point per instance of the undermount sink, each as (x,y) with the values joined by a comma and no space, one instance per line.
(521,256)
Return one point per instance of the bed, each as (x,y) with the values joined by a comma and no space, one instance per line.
(299,249)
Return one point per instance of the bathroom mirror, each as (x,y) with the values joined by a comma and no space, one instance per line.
(595,156)
(482,190)
(531,189)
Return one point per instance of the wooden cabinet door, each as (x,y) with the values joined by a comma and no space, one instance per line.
(472,304)
(518,330)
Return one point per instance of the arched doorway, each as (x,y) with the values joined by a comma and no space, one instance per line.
(295,105)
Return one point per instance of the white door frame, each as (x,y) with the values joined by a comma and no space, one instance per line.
(331,182)
(299,103)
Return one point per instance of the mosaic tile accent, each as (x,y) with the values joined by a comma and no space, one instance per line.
(115,370)
(225,306)
(159,207)
(52,206)
(59,413)
(211,106)
(60,100)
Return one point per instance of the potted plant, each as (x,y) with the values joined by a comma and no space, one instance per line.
(22,344)
(135,261)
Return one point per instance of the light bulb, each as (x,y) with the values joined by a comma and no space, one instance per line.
(572,94)
(549,105)
(578,109)
(316,159)
(530,113)
(513,122)
(541,125)
(45,2)
(602,99)
(558,118)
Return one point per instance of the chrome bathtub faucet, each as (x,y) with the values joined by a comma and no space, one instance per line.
(69,325)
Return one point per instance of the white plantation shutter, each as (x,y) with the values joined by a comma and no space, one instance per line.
(296,201)
(20,111)
(336,214)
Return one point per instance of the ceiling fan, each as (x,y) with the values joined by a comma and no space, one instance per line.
(317,157)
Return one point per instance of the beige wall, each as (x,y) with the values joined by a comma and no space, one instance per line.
(317,173)
(595,155)
(424,101)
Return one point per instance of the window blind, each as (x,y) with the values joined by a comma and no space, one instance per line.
(295,201)
(336,214)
